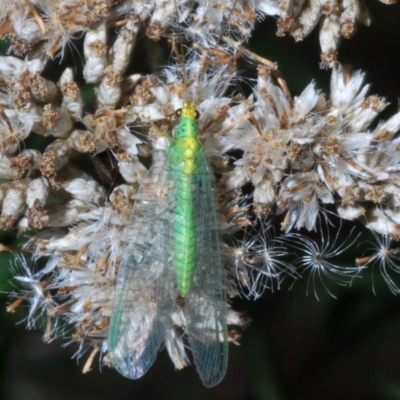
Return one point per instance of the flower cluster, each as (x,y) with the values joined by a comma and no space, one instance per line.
(303,158)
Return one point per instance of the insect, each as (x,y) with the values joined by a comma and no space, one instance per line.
(174,267)
(172,274)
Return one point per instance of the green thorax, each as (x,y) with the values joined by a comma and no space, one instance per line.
(187,126)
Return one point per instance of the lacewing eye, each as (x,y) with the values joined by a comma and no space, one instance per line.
(178,112)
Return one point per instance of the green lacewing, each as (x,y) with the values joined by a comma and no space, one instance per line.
(172,274)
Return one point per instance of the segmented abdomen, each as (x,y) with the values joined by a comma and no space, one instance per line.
(185,233)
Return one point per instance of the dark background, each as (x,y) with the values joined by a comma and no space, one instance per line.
(296,347)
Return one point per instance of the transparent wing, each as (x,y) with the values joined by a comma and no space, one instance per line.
(205,306)
(146,288)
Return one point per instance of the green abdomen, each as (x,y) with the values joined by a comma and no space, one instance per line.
(185,233)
